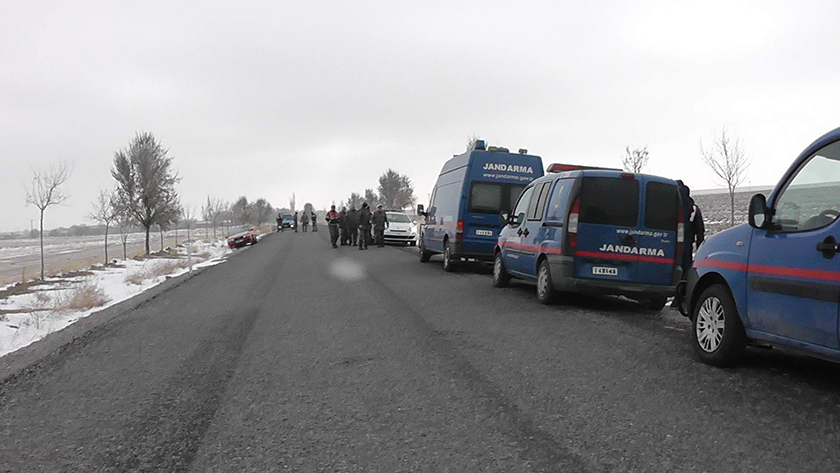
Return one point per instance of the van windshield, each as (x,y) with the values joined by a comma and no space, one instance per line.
(609,201)
(490,197)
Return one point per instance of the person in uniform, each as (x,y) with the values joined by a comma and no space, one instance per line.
(304,221)
(352,225)
(296,221)
(279,222)
(332,225)
(364,226)
(380,221)
(342,225)
(314,224)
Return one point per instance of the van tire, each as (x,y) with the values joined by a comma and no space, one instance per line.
(425,255)
(716,305)
(501,278)
(545,286)
(656,304)
(448,264)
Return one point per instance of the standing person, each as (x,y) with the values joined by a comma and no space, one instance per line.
(304,221)
(279,223)
(364,226)
(342,225)
(352,225)
(332,225)
(693,234)
(296,221)
(314,224)
(380,221)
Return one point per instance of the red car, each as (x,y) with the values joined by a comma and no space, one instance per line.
(241,236)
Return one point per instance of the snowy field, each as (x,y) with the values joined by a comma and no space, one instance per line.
(30,311)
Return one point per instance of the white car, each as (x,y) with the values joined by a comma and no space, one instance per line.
(401,228)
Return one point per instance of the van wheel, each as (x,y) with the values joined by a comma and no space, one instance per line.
(425,256)
(501,278)
(448,264)
(717,331)
(656,304)
(545,287)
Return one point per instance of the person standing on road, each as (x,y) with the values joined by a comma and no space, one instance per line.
(279,223)
(694,232)
(364,226)
(332,225)
(304,221)
(314,224)
(342,225)
(296,221)
(380,221)
(352,225)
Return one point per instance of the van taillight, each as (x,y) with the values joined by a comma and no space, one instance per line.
(459,229)
(572,224)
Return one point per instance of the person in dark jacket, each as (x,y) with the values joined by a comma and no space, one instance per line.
(342,225)
(380,221)
(296,221)
(353,225)
(332,224)
(364,226)
(279,222)
(694,232)
(314,222)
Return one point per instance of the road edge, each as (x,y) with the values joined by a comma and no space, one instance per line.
(28,357)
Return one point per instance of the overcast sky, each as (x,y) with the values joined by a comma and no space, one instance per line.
(318,98)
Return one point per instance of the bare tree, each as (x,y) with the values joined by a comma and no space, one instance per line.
(262,211)
(45,191)
(292,202)
(242,210)
(636,159)
(105,211)
(727,159)
(145,181)
(124,221)
(471,141)
(212,210)
(188,212)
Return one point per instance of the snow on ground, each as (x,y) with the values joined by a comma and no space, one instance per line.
(60,301)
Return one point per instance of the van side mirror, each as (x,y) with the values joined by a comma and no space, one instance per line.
(420,210)
(505,217)
(758,211)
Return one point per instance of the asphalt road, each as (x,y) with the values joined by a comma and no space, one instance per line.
(293,355)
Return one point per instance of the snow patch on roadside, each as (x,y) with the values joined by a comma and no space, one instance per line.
(29,317)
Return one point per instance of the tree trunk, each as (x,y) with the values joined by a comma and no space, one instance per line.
(148,230)
(125,251)
(161,238)
(106,244)
(732,207)
(42,244)
(176,235)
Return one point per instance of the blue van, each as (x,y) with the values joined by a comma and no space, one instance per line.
(774,281)
(471,193)
(594,230)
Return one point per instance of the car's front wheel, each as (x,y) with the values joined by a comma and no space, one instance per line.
(717,332)
(501,278)
(425,255)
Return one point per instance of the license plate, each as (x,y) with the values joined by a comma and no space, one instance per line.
(602,271)
(484,232)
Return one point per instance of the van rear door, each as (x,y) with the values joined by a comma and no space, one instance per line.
(658,234)
(607,223)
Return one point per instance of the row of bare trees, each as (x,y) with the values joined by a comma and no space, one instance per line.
(725,156)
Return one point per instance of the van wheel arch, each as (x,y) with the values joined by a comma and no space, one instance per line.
(540,259)
(708,280)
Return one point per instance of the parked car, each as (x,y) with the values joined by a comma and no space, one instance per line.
(288,221)
(463,219)
(241,236)
(401,228)
(594,230)
(774,281)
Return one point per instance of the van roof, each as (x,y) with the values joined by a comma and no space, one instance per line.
(602,172)
(463,159)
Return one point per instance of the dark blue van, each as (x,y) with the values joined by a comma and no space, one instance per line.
(473,190)
(594,230)
(774,281)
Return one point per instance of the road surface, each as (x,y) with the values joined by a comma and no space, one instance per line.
(296,356)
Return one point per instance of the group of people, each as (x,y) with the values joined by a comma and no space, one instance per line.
(304,221)
(353,227)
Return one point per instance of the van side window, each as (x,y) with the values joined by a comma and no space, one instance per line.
(559,200)
(661,206)
(536,209)
(522,205)
(810,199)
